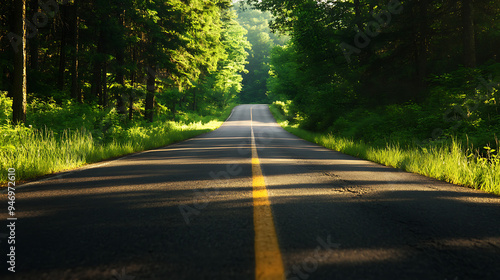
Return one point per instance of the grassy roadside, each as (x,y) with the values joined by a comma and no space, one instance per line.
(446,162)
(38,152)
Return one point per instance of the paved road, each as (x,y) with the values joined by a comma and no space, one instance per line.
(186,211)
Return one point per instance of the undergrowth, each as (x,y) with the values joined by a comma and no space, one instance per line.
(63,137)
(448,160)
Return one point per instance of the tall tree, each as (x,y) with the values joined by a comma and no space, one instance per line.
(421,40)
(150,94)
(74,31)
(222,85)
(64,27)
(18,40)
(33,43)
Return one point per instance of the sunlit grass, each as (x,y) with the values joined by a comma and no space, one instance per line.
(36,153)
(447,162)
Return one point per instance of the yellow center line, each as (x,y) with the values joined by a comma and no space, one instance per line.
(268,261)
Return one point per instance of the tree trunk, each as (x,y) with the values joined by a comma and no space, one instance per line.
(19,79)
(120,60)
(62,50)
(421,38)
(182,101)
(131,94)
(130,106)
(150,95)
(96,88)
(33,43)
(104,86)
(120,79)
(33,46)
(75,87)
(468,33)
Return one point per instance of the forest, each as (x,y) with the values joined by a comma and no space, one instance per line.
(367,59)
(111,53)
(414,76)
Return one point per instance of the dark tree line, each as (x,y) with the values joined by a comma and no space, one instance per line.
(115,53)
(347,54)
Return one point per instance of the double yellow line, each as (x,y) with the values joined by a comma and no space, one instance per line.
(268,261)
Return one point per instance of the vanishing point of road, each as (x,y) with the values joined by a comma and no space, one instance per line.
(250,201)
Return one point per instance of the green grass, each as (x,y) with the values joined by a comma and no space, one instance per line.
(38,152)
(448,162)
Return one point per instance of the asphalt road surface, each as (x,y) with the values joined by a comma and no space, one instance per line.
(249,201)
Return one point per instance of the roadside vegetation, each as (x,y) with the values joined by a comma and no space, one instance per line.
(448,160)
(410,84)
(59,137)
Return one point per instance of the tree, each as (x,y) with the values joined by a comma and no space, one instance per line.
(222,85)
(150,95)
(74,31)
(18,41)
(262,41)
(365,53)
(129,50)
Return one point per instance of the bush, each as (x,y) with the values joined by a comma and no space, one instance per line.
(5,108)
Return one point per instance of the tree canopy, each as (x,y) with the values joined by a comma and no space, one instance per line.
(262,40)
(114,53)
(345,55)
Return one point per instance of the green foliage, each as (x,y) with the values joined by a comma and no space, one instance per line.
(447,161)
(66,136)
(125,54)
(461,104)
(221,87)
(283,82)
(383,91)
(262,41)
(5,108)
